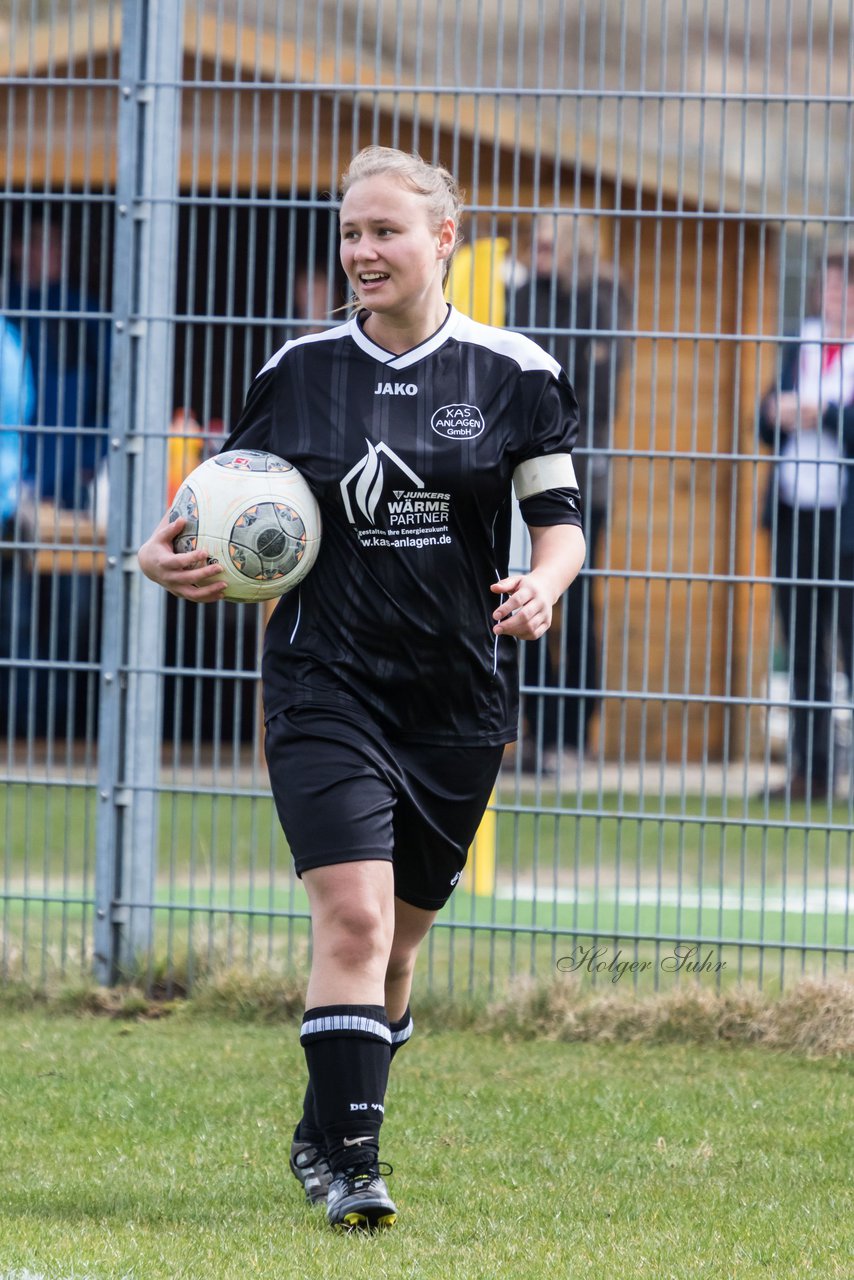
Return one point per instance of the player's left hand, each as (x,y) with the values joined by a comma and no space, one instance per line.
(527,611)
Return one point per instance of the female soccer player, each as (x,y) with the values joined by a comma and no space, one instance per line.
(390,675)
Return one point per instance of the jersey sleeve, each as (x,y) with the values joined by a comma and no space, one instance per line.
(254,428)
(543,475)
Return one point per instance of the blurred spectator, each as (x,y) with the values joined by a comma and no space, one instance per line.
(312,300)
(69,353)
(17,400)
(186,449)
(68,348)
(808,419)
(574,306)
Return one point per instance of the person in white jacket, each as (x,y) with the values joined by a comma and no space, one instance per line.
(808,419)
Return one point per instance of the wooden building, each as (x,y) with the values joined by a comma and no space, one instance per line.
(267,116)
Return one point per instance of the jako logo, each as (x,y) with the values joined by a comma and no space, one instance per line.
(362,487)
(396,389)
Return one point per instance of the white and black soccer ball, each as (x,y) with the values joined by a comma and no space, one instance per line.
(254,515)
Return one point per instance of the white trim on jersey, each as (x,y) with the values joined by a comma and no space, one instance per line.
(299,615)
(504,342)
(414,355)
(346,1022)
(336,331)
(537,475)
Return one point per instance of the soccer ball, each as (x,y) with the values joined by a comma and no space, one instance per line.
(255,516)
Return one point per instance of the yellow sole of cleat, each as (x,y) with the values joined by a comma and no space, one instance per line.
(360,1222)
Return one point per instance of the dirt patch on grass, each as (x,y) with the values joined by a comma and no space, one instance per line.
(814,1018)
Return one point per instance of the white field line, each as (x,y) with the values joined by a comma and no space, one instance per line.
(812,902)
(836,900)
(42,1275)
(25,1274)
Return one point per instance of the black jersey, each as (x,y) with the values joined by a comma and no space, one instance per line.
(411,458)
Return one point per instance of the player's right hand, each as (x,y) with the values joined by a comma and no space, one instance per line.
(186,574)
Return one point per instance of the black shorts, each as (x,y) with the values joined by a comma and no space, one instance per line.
(345,792)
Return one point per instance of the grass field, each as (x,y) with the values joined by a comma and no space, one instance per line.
(570,871)
(156,1150)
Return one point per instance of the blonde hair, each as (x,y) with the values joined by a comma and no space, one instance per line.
(435,183)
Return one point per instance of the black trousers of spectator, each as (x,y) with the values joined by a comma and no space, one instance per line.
(55,620)
(817,619)
(16,643)
(578,668)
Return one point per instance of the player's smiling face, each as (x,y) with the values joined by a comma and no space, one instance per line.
(393,258)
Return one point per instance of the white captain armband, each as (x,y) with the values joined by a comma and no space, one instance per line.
(537,475)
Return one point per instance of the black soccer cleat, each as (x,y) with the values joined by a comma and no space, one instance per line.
(310,1167)
(358,1200)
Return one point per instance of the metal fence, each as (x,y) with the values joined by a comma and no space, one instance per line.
(660,192)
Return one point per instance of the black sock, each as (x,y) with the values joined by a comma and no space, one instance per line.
(308,1129)
(347,1049)
(400,1031)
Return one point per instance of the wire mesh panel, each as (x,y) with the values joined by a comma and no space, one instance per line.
(57,104)
(660,194)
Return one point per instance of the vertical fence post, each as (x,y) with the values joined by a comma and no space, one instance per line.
(141,379)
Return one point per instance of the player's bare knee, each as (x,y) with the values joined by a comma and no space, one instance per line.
(358,935)
(401,965)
